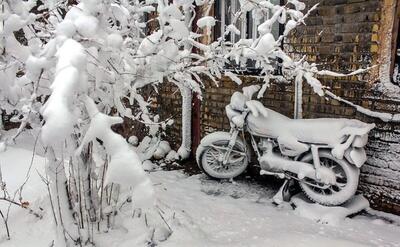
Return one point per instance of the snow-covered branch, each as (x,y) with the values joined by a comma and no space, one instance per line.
(384,116)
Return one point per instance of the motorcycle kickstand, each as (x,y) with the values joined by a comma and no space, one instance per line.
(286,191)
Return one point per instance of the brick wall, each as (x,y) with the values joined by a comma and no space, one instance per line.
(342,35)
(169,105)
(351,31)
(278,97)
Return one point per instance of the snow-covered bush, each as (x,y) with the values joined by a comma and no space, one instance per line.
(69,69)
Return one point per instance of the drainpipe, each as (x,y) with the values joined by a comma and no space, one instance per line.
(298,97)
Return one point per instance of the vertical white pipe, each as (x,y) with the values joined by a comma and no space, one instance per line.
(298,97)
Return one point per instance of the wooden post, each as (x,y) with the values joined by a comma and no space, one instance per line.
(387,36)
(196,102)
(395,33)
(196,128)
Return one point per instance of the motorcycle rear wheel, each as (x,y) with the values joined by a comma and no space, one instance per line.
(211,150)
(347,177)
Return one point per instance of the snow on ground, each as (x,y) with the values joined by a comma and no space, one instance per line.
(200,211)
(15,163)
(242,214)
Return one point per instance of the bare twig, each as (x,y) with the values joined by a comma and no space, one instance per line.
(5,220)
(162,217)
(27,176)
(47,183)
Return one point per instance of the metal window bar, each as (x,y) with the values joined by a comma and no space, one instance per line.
(222,14)
(247,24)
(232,16)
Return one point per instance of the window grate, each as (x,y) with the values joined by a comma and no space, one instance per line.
(225,11)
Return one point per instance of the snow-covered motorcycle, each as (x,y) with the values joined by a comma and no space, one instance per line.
(323,155)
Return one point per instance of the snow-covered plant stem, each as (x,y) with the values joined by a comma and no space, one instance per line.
(125,165)
(67,233)
(5,221)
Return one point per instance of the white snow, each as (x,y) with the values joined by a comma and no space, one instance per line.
(184,149)
(232,28)
(179,30)
(322,130)
(200,212)
(233,77)
(125,166)
(257,108)
(13,23)
(172,155)
(247,5)
(57,110)
(384,116)
(149,166)
(206,21)
(298,5)
(86,25)
(330,131)
(266,44)
(329,215)
(88,48)
(2,147)
(149,44)
(147,9)
(133,140)
(115,40)
(162,150)
(290,25)
(15,163)
(66,28)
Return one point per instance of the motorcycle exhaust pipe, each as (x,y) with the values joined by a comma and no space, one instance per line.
(271,162)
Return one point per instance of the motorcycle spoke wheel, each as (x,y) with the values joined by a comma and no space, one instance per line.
(341,179)
(331,194)
(213,156)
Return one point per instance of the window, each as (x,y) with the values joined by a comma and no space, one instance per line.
(247,23)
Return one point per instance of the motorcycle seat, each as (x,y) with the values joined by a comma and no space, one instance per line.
(323,131)
(296,134)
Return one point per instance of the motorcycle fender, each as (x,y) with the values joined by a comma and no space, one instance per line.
(356,156)
(360,141)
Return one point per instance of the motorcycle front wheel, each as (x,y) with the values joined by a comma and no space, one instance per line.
(211,152)
(347,177)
